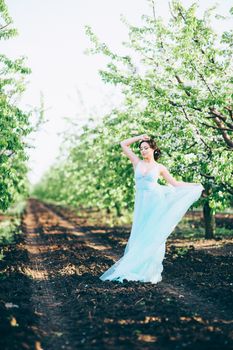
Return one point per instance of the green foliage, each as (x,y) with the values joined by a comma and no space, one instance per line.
(92,181)
(8,228)
(14,123)
(179,93)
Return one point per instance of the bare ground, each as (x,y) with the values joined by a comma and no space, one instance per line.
(51,296)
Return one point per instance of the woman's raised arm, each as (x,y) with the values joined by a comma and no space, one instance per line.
(127,150)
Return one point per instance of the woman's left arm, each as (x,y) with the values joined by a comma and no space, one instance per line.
(171,180)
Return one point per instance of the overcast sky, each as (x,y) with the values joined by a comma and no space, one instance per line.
(52,36)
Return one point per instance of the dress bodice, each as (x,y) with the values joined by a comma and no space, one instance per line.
(147,180)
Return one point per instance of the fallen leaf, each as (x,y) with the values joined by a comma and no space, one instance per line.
(38,345)
(147,338)
(58,334)
(13,322)
(10,305)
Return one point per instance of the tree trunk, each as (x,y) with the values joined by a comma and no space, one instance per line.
(118,209)
(209,220)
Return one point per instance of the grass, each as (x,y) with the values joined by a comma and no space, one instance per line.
(10,225)
(189,228)
(8,229)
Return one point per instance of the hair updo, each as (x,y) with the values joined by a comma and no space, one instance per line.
(151,142)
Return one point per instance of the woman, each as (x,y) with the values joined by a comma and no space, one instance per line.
(157,210)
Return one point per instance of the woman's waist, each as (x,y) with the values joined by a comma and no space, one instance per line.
(146,185)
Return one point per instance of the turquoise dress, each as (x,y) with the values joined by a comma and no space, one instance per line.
(157,210)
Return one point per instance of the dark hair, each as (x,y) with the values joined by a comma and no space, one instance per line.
(153,145)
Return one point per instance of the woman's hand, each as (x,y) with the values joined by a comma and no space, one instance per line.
(144,137)
(140,137)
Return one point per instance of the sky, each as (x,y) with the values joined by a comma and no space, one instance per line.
(52,37)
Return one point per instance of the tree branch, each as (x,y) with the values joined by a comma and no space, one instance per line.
(6,25)
(220,116)
(197,131)
(226,137)
(209,177)
(215,127)
(202,78)
(153,8)
(181,83)
(229,109)
(216,119)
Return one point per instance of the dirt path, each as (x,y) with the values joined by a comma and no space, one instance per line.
(54,271)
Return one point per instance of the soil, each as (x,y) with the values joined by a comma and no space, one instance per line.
(51,296)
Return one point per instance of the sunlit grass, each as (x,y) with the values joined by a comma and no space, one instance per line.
(7,230)
(17,208)
(191,226)
(10,225)
(188,227)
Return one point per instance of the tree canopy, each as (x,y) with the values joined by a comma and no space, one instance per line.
(176,79)
(14,123)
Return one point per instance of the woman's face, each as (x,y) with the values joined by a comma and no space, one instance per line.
(146,150)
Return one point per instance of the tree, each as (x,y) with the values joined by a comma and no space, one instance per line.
(183,82)
(14,123)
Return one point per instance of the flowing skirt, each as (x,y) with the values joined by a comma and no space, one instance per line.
(156,213)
